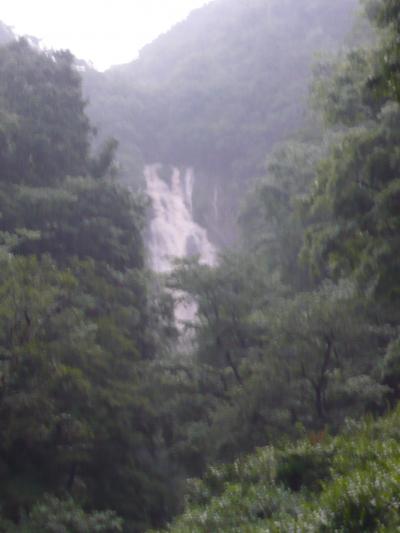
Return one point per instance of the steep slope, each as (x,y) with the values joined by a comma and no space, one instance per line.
(76,317)
(232,79)
(347,483)
(216,93)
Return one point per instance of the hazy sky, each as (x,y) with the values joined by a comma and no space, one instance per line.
(105,32)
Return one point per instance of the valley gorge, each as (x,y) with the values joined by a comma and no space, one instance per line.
(199,273)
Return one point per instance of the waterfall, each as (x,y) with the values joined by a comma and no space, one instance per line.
(172,231)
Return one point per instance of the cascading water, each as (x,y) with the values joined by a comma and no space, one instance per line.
(172,230)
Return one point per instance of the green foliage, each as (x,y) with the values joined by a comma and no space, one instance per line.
(272,360)
(81,322)
(231,115)
(340,90)
(349,483)
(304,468)
(73,405)
(85,218)
(386,80)
(97,405)
(271,220)
(42,92)
(300,331)
(55,516)
(351,210)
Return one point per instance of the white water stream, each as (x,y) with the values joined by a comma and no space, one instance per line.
(173,232)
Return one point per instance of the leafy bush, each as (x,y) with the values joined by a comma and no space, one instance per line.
(52,515)
(306,467)
(349,483)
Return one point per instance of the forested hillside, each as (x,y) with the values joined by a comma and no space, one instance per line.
(320,484)
(216,93)
(232,80)
(302,325)
(248,415)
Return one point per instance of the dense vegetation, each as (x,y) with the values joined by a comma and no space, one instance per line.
(213,117)
(102,417)
(346,483)
(301,330)
(80,319)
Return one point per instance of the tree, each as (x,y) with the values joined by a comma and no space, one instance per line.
(385,14)
(271,221)
(81,321)
(351,212)
(43,91)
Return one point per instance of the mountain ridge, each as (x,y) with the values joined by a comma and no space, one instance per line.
(217,92)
